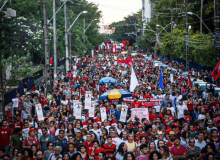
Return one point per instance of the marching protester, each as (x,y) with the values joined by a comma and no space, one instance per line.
(116,107)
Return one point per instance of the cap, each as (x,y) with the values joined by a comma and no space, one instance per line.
(32,130)
(78,131)
(159,133)
(175,124)
(209,122)
(140,125)
(171,133)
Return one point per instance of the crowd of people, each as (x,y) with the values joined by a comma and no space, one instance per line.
(186,127)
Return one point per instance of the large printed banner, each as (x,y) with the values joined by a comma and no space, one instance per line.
(123,115)
(39,111)
(103,114)
(88,99)
(92,109)
(157,102)
(140,113)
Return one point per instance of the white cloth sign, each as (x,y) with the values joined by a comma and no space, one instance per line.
(171,78)
(134,81)
(103,114)
(88,97)
(123,115)
(92,110)
(15,102)
(140,113)
(78,110)
(39,111)
(75,104)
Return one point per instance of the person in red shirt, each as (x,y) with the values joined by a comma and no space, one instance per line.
(110,147)
(136,104)
(140,130)
(5,133)
(43,99)
(30,140)
(171,141)
(148,103)
(102,88)
(153,115)
(88,143)
(96,149)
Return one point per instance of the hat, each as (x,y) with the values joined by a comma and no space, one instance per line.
(171,133)
(31,130)
(209,122)
(140,125)
(175,124)
(78,131)
(159,133)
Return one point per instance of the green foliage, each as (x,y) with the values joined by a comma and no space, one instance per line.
(201,47)
(130,24)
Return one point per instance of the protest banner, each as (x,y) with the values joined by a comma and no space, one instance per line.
(123,115)
(15,102)
(88,98)
(39,111)
(92,110)
(140,113)
(78,110)
(103,114)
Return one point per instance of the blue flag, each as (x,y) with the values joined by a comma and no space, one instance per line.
(161,81)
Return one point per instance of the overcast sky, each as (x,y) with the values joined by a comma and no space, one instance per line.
(116,10)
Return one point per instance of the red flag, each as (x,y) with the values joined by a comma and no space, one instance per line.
(51,60)
(127,61)
(189,81)
(216,72)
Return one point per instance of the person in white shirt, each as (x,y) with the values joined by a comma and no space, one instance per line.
(180,109)
(200,141)
(123,139)
(97,131)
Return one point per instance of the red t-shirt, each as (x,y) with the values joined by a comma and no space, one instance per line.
(5,134)
(152,117)
(30,141)
(96,152)
(136,104)
(179,151)
(88,146)
(147,104)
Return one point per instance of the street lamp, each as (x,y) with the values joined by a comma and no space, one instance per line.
(90,24)
(191,13)
(66,39)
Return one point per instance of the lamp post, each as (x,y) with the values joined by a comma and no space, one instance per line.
(89,25)
(190,13)
(66,39)
(85,29)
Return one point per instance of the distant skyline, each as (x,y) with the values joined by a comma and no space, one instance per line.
(116,10)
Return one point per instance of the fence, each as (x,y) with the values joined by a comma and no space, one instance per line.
(192,64)
(28,83)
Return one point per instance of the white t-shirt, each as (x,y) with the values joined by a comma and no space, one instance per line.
(172,110)
(200,145)
(180,110)
(98,132)
(201,116)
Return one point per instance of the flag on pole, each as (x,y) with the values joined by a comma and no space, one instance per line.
(189,81)
(127,61)
(161,81)
(216,72)
(134,81)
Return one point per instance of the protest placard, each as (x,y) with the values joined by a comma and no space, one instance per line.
(140,113)
(123,115)
(103,114)
(88,98)
(15,102)
(39,111)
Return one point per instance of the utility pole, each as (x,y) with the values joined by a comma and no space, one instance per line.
(84,31)
(46,49)
(187,36)
(66,40)
(55,40)
(70,49)
(201,16)
(217,30)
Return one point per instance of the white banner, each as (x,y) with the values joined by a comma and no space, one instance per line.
(78,110)
(140,113)
(92,110)
(123,115)
(88,99)
(171,78)
(103,114)
(76,104)
(15,102)
(39,111)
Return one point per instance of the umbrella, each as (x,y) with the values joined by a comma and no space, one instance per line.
(115,94)
(107,80)
(124,52)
